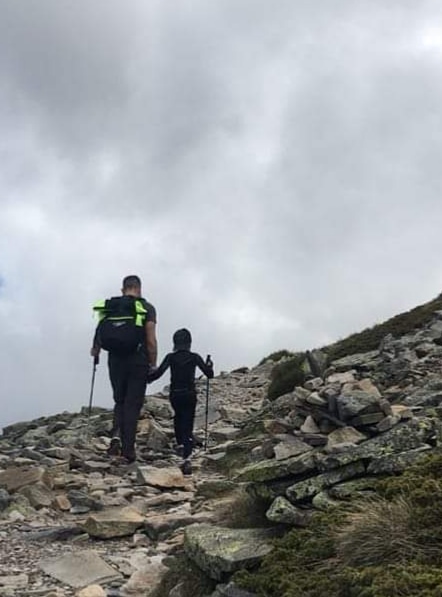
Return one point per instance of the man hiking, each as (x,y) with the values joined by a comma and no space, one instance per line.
(127,330)
(182,363)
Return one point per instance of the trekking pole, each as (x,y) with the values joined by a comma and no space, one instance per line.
(208,362)
(94,370)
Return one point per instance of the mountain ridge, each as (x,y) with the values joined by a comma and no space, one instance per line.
(297,465)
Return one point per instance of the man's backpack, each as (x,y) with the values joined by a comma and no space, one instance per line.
(120,328)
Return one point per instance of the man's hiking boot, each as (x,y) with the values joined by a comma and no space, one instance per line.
(114,447)
(127,459)
(123,460)
(186,467)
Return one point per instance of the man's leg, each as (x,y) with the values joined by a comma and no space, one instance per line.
(136,390)
(118,378)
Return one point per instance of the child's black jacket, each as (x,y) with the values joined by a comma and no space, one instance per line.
(182,365)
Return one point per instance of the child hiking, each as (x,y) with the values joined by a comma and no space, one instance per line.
(183,363)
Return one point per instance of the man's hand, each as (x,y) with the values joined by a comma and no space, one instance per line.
(95,351)
(150,371)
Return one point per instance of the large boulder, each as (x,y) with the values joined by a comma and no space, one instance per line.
(282,511)
(220,551)
(163,478)
(14,478)
(269,470)
(356,402)
(114,522)
(308,488)
(406,436)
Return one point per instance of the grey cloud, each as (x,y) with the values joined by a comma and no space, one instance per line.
(270,170)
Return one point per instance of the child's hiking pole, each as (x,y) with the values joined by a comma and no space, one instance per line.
(94,370)
(208,362)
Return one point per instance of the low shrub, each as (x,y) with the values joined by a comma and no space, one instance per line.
(393,580)
(194,583)
(389,546)
(244,511)
(286,376)
(276,356)
(378,532)
(300,565)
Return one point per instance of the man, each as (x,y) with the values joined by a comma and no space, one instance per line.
(127,329)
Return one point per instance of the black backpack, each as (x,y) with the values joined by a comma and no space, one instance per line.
(121,324)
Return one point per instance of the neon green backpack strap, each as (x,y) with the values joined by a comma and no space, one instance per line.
(140,313)
(100,309)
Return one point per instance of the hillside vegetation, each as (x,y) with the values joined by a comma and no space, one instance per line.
(390,545)
(398,325)
(291,368)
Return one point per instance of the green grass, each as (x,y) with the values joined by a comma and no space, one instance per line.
(370,338)
(182,571)
(276,356)
(286,375)
(291,372)
(390,546)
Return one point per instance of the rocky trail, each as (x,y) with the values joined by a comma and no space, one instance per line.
(71,518)
(73,522)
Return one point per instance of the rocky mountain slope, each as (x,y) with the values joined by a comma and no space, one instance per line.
(72,522)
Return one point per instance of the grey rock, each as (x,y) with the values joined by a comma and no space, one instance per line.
(220,551)
(159,406)
(79,569)
(344,435)
(387,423)
(366,419)
(229,590)
(282,511)
(365,360)
(309,425)
(269,470)
(424,349)
(14,478)
(355,489)
(80,498)
(289,446)
(5,499)
(160,526)
(39,495)
(113,522)
(397,463)
(356,403)
(210,488)
(164,478)
(314,384)
(405,436)
(322,501)
(13,581)
(224,433)
(310,487)
(341,378)
(316,400)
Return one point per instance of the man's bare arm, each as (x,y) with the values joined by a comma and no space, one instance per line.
(151,343)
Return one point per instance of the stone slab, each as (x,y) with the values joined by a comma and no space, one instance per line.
(80,569)
(163,478)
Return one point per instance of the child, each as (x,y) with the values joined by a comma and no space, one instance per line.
(182,363)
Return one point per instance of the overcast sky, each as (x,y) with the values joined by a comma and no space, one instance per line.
(271,170)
